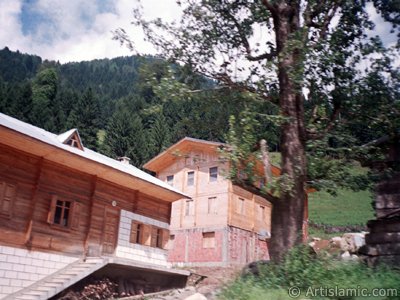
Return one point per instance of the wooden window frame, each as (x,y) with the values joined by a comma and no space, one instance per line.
(261,214)
(213,174)
(211,208)
(4,185)
(240,206)
(170,180)
(137,228)
(188,207)
(190,178)
(73,219)
(208,241)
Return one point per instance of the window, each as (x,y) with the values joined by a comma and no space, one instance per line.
(74,141)
(240,206)
(212,205)
(7,196)
(189,207)
(159,238)
(61,215)
(136,233)
(208,239)
(156,237)
(171,241)
(190,178)
(170,180)
(213,174)
(64,213)
(261,212)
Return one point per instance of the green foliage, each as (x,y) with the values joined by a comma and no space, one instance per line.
(303,269)
(125,137)
(85,116)
(44,91)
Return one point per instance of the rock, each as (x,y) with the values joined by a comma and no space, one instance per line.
(196,296)
(321,245)
(352,242)
(335,241)
(253,268)
(346,255)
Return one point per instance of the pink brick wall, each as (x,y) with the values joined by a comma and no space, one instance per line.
(199,254)
(195,251)
(177,251)
(245,247)
(242,247)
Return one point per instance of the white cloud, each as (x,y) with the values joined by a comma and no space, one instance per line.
(75,30)
(11,26)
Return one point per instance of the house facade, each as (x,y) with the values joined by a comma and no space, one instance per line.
(222,223)
(61,205)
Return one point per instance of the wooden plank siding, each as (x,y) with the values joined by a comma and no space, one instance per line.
(37,181)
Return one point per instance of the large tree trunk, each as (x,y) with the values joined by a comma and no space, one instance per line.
(287,214)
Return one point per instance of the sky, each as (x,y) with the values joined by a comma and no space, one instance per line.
(76,30)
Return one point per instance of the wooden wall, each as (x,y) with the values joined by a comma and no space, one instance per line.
(36,182)
(200,163)
(249,217)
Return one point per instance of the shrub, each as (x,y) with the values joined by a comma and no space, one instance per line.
(309,272)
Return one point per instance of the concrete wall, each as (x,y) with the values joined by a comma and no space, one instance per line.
(20,268)
(141,253)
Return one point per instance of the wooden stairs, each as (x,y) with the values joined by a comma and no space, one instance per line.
(59,281)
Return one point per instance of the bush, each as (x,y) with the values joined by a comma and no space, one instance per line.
(317,277)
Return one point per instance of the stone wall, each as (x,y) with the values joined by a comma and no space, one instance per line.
(383,239)
(20,268)
(141,253)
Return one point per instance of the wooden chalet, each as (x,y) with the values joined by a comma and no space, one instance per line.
(68,211)
(222,224)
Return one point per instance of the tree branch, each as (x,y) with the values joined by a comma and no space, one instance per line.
(246,44)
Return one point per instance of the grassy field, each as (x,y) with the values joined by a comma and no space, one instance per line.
(348,208)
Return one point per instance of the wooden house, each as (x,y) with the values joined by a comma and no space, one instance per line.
(222,224)
(67,211)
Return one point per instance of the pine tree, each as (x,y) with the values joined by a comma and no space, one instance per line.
(125,136)
(85,117)
(44,90)
(160,135)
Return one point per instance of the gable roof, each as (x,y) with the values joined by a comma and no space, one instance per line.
(167,157)
(103,166)
(72,134)
(186,144)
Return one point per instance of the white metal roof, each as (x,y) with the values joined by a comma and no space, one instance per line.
(57,141)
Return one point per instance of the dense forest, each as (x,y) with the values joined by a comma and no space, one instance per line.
(126,106)
(138,106)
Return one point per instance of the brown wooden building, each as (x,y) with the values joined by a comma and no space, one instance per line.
(222,223)
(62,204)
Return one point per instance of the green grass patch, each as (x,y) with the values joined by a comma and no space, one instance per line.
(347,208)
(313,277)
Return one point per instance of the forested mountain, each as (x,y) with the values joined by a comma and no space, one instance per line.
(124,106)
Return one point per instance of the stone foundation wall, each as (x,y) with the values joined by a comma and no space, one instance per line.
(20,268)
